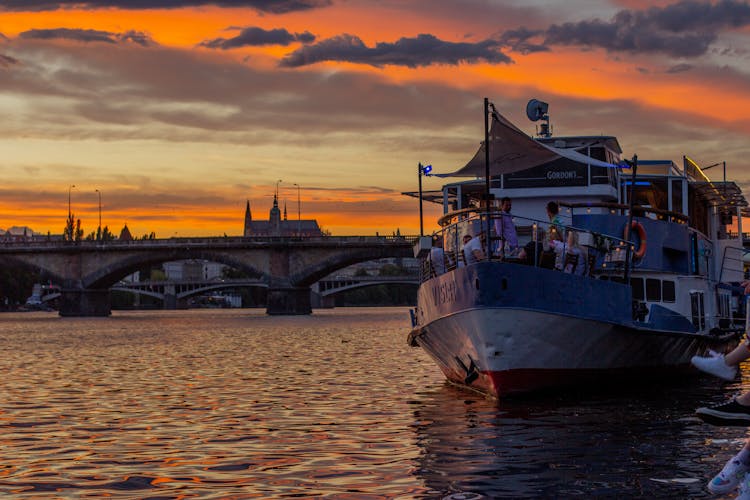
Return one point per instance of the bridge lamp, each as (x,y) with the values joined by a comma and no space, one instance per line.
(299,217)
(100,213)
(69,189)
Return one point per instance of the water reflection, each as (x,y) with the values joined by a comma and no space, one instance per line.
(237,404)
(643,444)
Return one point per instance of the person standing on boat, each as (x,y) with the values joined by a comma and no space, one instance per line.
(472,249)
(736,472)
(505,229)
(553,213)
(437,256)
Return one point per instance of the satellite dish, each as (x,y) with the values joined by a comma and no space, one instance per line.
(536,110)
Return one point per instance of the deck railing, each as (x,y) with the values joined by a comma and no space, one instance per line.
(541,243)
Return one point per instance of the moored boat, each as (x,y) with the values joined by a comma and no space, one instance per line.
(638,272)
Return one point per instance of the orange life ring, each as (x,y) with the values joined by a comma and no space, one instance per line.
(638,228)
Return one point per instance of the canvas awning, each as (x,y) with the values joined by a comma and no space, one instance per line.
(511,150)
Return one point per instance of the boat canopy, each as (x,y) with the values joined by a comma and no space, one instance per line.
(511,150)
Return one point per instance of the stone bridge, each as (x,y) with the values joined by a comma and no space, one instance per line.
(87,270)
(175,293)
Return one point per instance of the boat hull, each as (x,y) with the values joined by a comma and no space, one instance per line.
(508,341)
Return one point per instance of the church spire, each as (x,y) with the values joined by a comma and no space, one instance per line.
(248,220)
(284,210)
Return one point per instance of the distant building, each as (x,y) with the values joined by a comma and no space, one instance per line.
(193,270)
(19,233)
(25,234)
(278,226)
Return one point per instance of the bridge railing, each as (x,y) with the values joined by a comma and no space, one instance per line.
(44,242)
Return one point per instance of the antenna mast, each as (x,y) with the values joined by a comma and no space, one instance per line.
(537,110)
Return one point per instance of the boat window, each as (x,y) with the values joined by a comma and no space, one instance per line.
(698,211)
(598,153)
(651,193)
(696,307)
(724,314)
(667,291)
(600,175)
(653,290)
(676,196)
(637,285)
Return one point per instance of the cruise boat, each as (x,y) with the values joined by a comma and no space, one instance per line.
(644,271)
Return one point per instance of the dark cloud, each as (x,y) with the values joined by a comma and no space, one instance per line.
(82,35)
(680,68)
(268,6)
(423,50)
(138,38)
(683,29)
(255,36)
(519,40)
(7,61)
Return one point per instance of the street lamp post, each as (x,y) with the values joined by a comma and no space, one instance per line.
(69,189)
(100,235)
(299,212)
(422,170)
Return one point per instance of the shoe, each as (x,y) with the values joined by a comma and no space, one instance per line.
(744,488)
(731,413)
(733,473)
(715,365)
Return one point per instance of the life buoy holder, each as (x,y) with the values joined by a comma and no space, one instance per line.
(641,231)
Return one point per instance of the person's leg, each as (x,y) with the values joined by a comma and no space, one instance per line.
(733,473)
(738,354)
(723,365)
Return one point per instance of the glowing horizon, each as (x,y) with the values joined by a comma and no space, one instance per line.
(178,116)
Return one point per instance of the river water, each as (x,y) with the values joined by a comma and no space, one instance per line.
(237,404)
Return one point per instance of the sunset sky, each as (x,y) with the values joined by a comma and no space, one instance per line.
(179,112)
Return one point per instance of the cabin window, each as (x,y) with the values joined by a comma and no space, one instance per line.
(598,153)
(697,309)
(653,290)
(677,196)
(723,307)
(637,285)
(667,291)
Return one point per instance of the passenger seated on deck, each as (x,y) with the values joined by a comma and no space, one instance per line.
(531,253)
(472,249)
(569,257)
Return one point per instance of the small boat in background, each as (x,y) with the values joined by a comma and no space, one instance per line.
(639,271)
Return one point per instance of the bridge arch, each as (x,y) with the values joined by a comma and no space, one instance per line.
(107,277)
(406,280)
(332,263)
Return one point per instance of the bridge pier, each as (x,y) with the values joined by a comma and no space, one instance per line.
(288,301)
(85,302)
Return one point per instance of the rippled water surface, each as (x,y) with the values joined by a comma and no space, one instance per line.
(237,404)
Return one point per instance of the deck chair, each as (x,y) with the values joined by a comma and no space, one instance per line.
(547,259)
(571,259)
